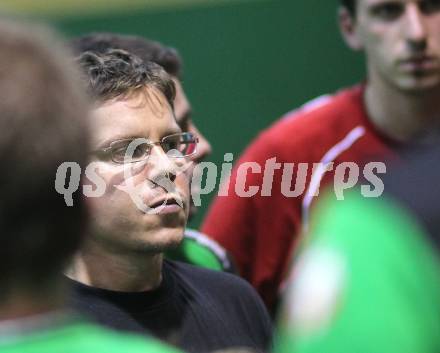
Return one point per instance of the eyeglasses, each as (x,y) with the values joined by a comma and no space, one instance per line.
(175,146)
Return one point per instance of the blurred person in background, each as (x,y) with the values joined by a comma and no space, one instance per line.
(43,123)
(396,106)
(368,278)
(119,276)
(196,248)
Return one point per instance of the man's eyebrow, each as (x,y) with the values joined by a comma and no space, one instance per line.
(106,143)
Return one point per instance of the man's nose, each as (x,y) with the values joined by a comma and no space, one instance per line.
(414,27)
(161,165)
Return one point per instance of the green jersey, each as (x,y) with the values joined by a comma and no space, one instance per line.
(79,337)
(368,280)
(198,250)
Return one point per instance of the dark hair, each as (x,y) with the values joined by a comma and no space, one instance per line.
(43,123)
(117,74)
(146,49)
(350,5)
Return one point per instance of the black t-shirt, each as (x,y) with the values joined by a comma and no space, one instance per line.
(195,309)
(416,185)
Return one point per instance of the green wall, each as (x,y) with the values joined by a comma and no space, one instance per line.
(246,63)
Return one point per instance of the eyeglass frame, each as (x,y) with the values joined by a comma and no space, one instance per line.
(107,150)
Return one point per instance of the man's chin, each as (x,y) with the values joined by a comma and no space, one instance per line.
(158,247)
(168,242)
(160,242)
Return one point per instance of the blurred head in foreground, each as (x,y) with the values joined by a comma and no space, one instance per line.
(42,124)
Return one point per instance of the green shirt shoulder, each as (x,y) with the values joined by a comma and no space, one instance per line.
(81,338)
(367,281)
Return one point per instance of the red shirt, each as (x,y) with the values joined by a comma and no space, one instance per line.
(260,231)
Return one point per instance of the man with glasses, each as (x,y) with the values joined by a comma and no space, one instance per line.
(195,248)
(140,161)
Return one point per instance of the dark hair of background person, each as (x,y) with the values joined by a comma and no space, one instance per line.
(118,73)
(43,123)
(146,49)
(350,5)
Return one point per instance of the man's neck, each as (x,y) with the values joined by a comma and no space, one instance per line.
(128,272)
(402,116)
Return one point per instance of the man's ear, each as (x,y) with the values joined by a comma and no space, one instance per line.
(348,28)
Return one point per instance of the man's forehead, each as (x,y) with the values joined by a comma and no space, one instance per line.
(127,118)
(136,106)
